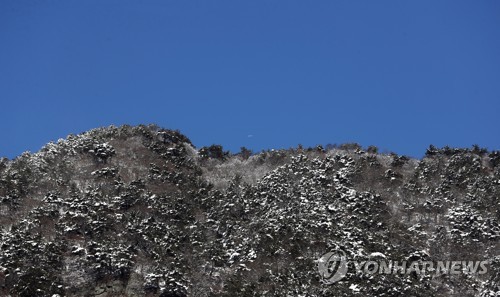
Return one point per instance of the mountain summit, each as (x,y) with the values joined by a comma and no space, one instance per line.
(139,211)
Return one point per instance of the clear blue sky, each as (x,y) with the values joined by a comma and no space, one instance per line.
(263,74)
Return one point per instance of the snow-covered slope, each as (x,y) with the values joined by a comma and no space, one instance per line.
(138,211)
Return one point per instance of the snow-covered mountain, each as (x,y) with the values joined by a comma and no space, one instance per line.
(139,211)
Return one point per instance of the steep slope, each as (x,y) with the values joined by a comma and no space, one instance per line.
(138,211)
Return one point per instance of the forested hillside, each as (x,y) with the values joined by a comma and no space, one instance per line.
(139,211)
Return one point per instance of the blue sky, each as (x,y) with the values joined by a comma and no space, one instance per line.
(262,74)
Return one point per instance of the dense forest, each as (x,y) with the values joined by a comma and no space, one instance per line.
(140,211)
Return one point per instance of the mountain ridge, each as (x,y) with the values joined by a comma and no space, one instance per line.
(139,211)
